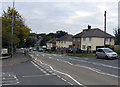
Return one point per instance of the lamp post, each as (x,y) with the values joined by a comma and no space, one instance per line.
(104,28)
(12,29)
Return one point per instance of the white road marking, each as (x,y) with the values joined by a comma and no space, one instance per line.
(69,83)
(63,79)
(93,69)
(100,64)
(9,78)
(97,71)
(36,75)
(62,73)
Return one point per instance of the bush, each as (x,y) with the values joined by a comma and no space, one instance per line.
(117,50)
(111,47)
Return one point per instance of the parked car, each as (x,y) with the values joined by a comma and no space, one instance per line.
(106,53)
(78,50)
(72,50)
(40,50)
(34,49)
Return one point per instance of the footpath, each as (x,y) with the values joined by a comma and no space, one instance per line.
(17,59)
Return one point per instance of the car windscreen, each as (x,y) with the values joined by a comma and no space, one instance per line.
(108,50)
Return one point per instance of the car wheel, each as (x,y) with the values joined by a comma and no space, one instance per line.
(97,57)
(106,57)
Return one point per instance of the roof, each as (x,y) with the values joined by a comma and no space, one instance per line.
(67,37)
(96,32)
(52,40)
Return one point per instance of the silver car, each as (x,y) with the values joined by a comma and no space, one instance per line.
(106,53)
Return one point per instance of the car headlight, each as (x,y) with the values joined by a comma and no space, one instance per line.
(109,55)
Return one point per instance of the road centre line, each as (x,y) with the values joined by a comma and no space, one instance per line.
(62,73)
(92,69)
(100,64)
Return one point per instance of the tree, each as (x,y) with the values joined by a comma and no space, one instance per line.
(60,34)
(117,36)
(21,31)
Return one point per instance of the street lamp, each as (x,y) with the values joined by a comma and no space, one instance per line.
(12,30)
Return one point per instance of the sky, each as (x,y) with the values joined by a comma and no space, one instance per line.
(72,16)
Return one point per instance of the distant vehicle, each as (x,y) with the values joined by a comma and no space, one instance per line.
(22,50)
(78,50)
(40,50)
(4,51)
(30,49)
(34,49)
(72,50)
(106,53)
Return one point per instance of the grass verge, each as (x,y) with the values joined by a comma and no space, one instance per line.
(53,52)
(82,55)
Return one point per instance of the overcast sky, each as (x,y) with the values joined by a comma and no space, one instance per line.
(67,15)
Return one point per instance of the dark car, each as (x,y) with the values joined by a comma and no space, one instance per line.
(78,50)
(72,50)
(40,50)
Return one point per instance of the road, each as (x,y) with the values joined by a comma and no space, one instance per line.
(28,73)
(55,69)
(81,71)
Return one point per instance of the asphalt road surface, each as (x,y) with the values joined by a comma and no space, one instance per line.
(55,69)
(81,71)
(29,73)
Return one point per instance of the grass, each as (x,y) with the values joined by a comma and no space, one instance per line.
(53,52)
(82,55)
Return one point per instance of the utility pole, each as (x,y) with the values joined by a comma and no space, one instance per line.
(104,28)
(12,29)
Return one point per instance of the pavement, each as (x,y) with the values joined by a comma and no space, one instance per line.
(15,60)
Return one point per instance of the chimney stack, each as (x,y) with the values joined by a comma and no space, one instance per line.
(89,27)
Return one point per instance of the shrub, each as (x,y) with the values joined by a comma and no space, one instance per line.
(117,50)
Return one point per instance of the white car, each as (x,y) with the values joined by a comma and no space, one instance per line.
(106,53)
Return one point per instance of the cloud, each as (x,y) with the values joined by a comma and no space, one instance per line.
(39,13)
(69,16)
(78,16)
(62,1)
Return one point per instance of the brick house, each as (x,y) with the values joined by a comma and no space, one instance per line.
(90,39)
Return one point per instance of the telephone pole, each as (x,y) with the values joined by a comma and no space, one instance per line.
(104,28)
(12,29)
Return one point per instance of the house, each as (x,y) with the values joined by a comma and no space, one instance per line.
(51,44)
(90,39)
(64,41)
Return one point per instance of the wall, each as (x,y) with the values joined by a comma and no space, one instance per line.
(60,44)
(49,45)
(95,42)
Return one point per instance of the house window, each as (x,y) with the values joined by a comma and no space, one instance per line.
(78,39)
(106,39)
(83,47)
(110,40)
(73,45)
(64,42)
(84,39)
(90,39)
(78,46)
(73,39)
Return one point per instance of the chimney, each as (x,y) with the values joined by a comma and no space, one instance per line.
(89,27)
(66,33)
